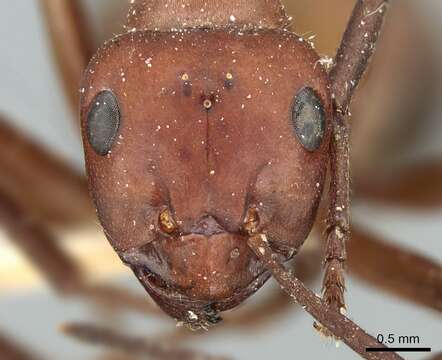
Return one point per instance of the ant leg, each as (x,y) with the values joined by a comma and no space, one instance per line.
(35,240)
(13,351)
(40,182)
(418,186)
(67,24)
(437,356)
(398,271)
(356,48)
(132,345)
(117,356)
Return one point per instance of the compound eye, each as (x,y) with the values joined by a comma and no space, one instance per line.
(103,122)
(308,119)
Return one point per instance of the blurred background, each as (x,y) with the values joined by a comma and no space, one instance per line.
(397,118)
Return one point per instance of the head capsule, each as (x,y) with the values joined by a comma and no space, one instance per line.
(197,138)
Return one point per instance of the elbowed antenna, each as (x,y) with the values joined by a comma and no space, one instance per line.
(166,15)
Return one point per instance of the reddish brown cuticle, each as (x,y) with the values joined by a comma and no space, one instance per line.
(207,146)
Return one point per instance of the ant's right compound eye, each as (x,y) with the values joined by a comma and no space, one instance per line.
(103,122)
(308,119)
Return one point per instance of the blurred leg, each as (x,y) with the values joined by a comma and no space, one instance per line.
(39,245)
(9,350)
(40,182)
(396,270)
(120,299)
(437,356)
(71,40)
(117,356)
(135,346)
(419,187)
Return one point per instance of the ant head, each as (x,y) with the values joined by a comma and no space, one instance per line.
(194,141)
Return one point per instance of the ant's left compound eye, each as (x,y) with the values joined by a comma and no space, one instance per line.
(308,119)
(103,122)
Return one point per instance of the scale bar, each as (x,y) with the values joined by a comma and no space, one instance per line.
(399,349)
